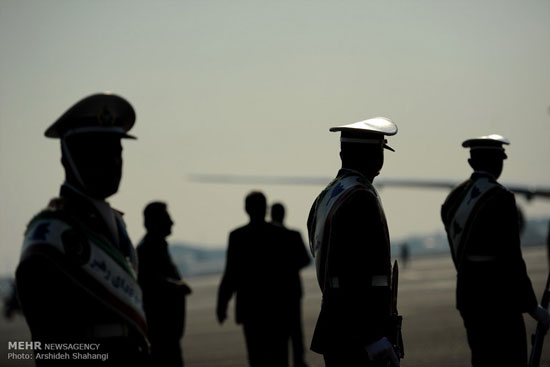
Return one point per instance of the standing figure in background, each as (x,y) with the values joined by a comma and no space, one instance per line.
(493,288)
(258,273)
(404,254)
(164,291)
(349,239)
(297,254)
(77,254)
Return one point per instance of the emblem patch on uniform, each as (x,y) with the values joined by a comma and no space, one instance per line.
(41,232)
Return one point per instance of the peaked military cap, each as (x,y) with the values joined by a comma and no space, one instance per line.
(371,131)
(493,142)
(103,112)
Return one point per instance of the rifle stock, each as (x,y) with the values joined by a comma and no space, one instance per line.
(537,339)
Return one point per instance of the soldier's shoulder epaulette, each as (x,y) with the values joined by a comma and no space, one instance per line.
(362,192)
(120,213)
(505,189)
(503,192)
(54,211)
(498,188)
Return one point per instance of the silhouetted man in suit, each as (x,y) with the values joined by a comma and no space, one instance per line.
(163,290)
(256,271)
(493,288)
(296,254)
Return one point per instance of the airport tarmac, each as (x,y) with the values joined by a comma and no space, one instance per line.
(432,328)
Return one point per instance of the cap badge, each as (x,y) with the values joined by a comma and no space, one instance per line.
(106,117)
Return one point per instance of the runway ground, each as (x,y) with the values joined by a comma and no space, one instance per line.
(433,330)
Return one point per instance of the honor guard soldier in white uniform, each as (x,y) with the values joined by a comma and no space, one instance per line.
(77,274)
(493,288)
(349,239)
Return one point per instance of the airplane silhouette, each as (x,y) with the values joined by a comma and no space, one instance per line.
(528,192)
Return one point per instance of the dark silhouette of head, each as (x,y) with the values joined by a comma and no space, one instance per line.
(365,158)
(278,213)
(491,161)
(255,206)
(487,153)
(157,221)
(90,133)
(363,144)
(93,163)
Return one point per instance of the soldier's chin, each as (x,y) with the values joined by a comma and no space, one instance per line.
(102,190)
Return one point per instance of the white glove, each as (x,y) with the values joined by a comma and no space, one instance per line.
(382,350)
(541,315)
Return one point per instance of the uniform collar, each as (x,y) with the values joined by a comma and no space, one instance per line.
(156,241)
(349,171)
(98,207)
(69,190)
(479,174)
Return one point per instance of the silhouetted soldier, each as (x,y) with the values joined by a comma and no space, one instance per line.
(349,239)
(257,272)
(296,252)
(76,278)
(163,290)
(493,288)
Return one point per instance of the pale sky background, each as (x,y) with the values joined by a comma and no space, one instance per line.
(251,87)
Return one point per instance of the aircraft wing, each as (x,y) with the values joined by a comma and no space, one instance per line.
(529,192)
(259,180)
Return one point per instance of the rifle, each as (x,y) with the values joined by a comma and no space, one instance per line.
(396,337)
(537,339)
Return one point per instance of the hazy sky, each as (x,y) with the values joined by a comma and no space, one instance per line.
(251,87)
